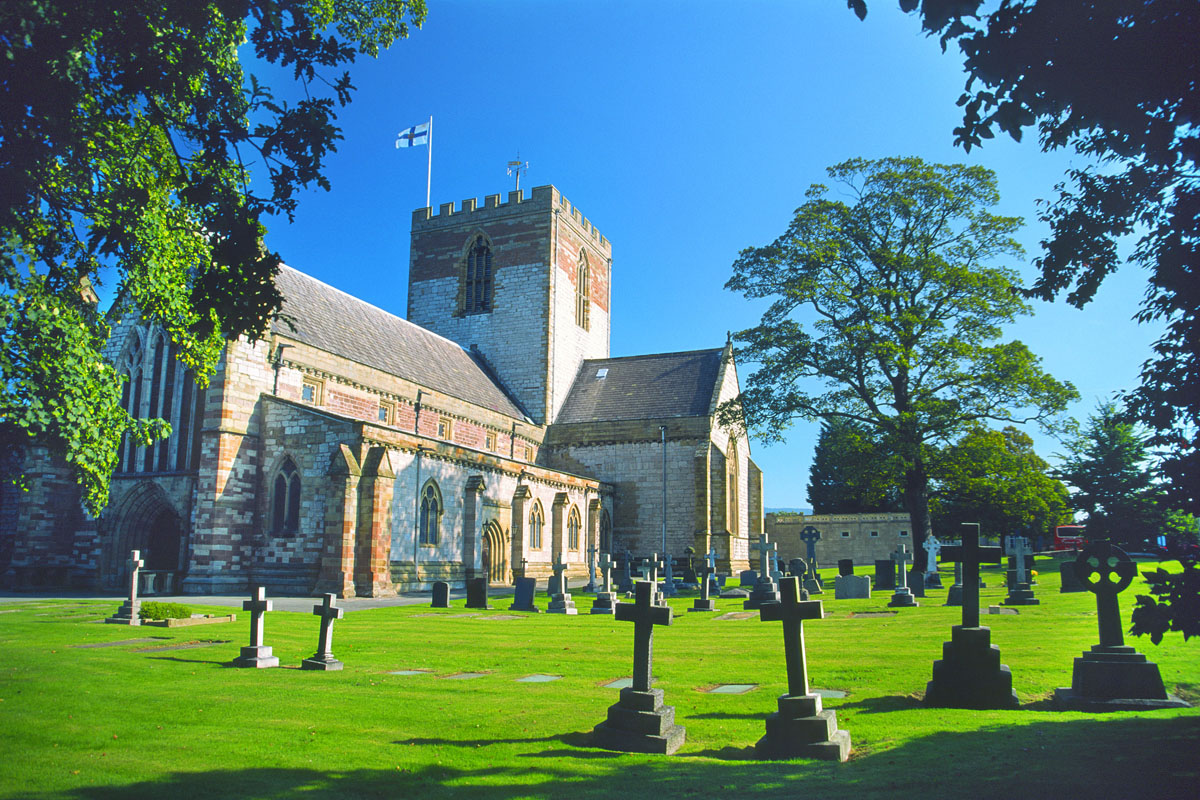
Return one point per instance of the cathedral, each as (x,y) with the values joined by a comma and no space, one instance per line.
(488,433)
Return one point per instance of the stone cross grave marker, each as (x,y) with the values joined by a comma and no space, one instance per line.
(130,611)
(606,599)
(650,568)
(932,548)
(591,584)
(810,536)
(639,722)
(704,602)
(1021,592)
(970,554)
(710,559)
(256,655)
(800,728)
(902,596)
(775,573)
(765,547)
(1111,676)
(668,577)
(765,590)
(626,582)
(1020,548)
(323,659)
(560,598)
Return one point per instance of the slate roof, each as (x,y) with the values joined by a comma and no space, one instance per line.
(331,320)
(643,387)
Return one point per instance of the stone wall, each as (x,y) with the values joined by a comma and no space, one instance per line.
(865,538)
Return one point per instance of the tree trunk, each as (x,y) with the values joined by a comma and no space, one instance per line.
(916,503)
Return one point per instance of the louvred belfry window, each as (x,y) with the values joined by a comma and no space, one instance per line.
(477,296)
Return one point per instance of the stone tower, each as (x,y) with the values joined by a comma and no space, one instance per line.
(524,283)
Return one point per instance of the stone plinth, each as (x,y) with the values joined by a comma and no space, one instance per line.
(903,598)
(1115,679)
(764,593)
(703,604)
(640,723)
(128,614)
(561,603)
(606,603)
(801,729)
(256,657)
(1021,594)
(969,674)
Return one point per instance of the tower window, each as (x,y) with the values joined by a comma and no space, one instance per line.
(582,285)
(477,283)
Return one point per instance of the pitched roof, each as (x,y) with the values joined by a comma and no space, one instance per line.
(331,320)
(643,387)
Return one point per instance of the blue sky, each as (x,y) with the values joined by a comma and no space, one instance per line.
(685,131)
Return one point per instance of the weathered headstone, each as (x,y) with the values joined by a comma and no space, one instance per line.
(747,577)
(323,659)
(885,574)
(441,594)
(560,598)
(255,654)
(932,547)
(852,587)
(477,593)
(916,581)
(1111,676)
(969,674)
(606,598)
(765,589)
(668,589)
(524,592)
(809,581)
(704,602)
(800,728)
(131,610)
(797,567)
(625,583)
(639,722)
(1020,592)
(775,573)
(902,597)
(1070,578)
(845,566)
(689,568)
(954,596)
(591,584)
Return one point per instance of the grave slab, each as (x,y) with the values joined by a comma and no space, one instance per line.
(464,676)
(732,688)
(539,678)
(409,672)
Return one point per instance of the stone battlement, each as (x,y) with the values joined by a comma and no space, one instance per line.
(542,198)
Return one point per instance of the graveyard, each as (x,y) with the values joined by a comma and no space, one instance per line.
(496,703)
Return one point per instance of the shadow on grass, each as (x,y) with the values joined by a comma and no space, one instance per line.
(574,739)
(213,662)
(726,715)
(1089,757)
(881,705)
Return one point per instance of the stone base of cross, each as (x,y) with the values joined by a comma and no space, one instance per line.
(802,729)
(969,673)
(130,613)
(606,603)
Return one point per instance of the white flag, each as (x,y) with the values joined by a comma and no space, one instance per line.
(415,136)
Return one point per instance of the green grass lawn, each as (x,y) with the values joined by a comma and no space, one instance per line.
(121,722)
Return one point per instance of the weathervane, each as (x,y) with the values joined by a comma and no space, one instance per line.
(518,168)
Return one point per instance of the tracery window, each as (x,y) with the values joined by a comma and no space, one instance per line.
(536,521)
(732,516)
(429,523)
(605,532)
(285,500)
(582,285)
(477,279)
(573,525)
(157,386)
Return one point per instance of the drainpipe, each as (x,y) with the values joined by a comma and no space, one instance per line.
(662,431)
(278,363)
(417,498)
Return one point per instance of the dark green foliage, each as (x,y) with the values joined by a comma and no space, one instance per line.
(125,129)
(1116,81)
(155,610)
(1174,606)
(851,473)
(885,311)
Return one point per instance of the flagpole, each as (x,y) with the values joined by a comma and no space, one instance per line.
(429,171)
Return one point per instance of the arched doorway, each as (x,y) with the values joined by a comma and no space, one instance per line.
(495,566)
(145,520)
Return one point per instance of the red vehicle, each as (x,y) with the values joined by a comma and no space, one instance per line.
(1069,537)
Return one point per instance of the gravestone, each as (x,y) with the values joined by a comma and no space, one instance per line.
(704,602)
(639,722)
(747,577)
(606,598)
(969,674)
(808,580)
(765,589)
(1070,578)
(323,659)
(477,593)
(1010,574)
(591,584)
(800,728)
(1111,676)
(916,581)
(625,584)
(796,567)
(1020,593)
(441,594)
(560,598)
(711,560)
(650,568)
(689,568)
(524,592)
(255,654)
(954,596)
(932,547)
(852,587)
(810,536)
(885,574)
(130,612)
(902,597)
(775,573)
(668,589)
(845,566)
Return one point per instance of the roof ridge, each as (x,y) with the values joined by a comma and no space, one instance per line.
(656,355)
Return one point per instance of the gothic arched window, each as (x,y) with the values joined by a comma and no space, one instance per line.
(733,514)
(536,521)
(573,526)
(477,283)
(605,532)
(285,500)
(430,520)
(582,285)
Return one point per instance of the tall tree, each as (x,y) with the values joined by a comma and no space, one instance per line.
(886,310)
(996,479)
(126,129)
(1116,81)
(1109,465)
(851,473)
